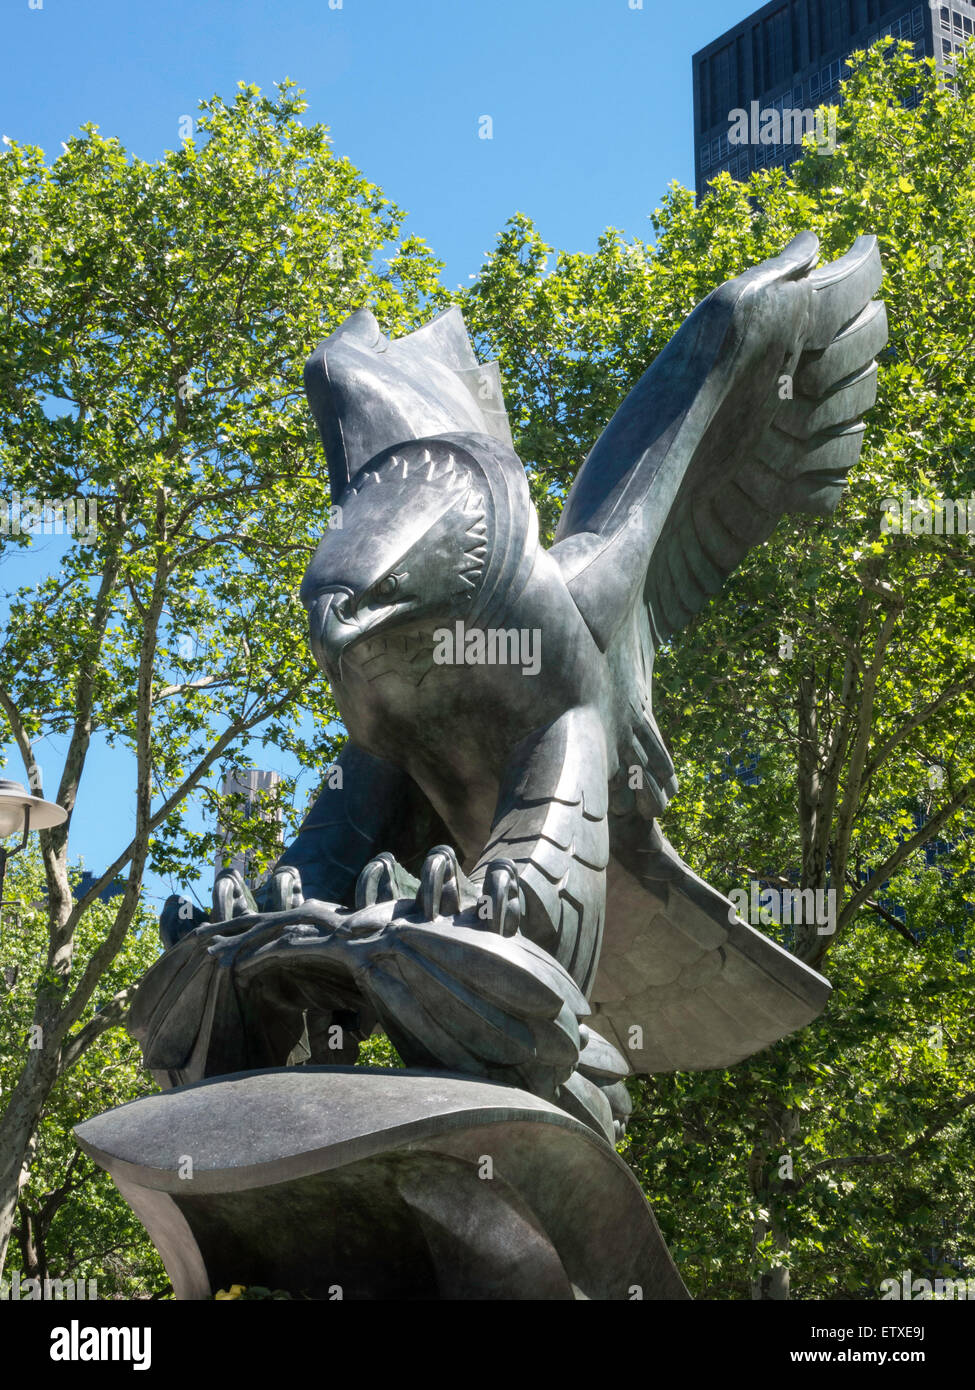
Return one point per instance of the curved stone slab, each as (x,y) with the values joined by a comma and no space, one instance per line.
(365,1183)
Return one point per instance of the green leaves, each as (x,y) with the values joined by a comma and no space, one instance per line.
(70,1216)
(170,316)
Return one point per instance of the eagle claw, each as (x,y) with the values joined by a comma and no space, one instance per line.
(383,880)
(501,901)
(444,890)
(284,890)
(231,897)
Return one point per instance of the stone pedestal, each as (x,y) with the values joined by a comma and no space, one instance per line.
(361,1183)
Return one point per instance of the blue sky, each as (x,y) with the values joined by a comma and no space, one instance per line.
(590,102)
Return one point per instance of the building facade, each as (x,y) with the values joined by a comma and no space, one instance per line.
(789,58)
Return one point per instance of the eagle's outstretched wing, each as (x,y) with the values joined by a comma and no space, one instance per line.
(754,409)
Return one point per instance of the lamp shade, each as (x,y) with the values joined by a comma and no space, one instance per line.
(15,801)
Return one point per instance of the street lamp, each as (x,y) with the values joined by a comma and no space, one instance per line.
(21,811)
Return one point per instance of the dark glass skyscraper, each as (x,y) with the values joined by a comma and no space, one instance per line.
(789,56)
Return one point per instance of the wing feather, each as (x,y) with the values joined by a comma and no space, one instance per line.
(688,986)
(755,408)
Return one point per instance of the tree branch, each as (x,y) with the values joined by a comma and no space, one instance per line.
(904,851)
(964,1103)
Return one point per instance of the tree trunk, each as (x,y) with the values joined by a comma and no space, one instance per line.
(18,1126)
(769,1189)
(31,1238)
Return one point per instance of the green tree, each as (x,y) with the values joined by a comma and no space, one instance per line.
(71,1222)
(156,317)
(820,713)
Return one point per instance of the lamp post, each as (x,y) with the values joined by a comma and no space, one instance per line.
(19,811)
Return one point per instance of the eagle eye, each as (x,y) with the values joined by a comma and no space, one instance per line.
(388,586)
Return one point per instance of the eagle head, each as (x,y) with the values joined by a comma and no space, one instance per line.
(408,547)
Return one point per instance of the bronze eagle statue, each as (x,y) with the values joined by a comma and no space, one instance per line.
(484,875)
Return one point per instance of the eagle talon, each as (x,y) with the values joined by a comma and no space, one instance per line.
(501,902)
(445,890)
(377,883)
(284,891)
(231,897)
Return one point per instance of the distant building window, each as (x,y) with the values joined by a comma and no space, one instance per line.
(946,47)
(956,21)
(908,25)
(945,17)
(706,156)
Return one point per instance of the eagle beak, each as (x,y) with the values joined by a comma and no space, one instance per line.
(332,628)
